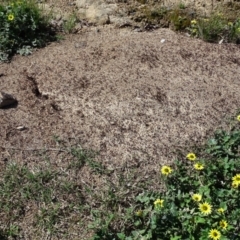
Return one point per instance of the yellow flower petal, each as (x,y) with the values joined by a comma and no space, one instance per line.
(194,22)
(139,213)
(197,197)
(235,184)
(205,208)
(191,156)
(236,178)
(220,210)
(214,234)
(165,170)
(10,17)
(199,166)
(158,203)
(223,224)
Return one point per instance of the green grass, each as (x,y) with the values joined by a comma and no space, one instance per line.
(70,23)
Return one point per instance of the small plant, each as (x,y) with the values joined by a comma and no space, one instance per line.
(70,23)
(234,31)
(179,19)
(193,29)
(83,157)
(48,217)
(213,29)
(23,26)
(182,6)
(200,200)
(13,231)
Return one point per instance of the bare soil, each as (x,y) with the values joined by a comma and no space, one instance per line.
(126,94)
(121,92)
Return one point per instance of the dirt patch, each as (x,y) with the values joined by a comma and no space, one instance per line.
(123,93)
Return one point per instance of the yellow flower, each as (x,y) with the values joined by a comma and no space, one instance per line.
(10,17)
(191,156)
(158,203)
(199,166)
(220,210)
(194,22)
(197,197)
(165,170)
(230,24)
(235,184)
(223,224)
(139,213)
(205,208)
(214,234)
(238,118)
(236,178)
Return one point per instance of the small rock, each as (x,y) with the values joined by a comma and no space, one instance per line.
(21,128)
(221,41)
(6,100)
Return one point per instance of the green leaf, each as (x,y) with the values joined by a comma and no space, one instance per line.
(121,236)
(200,220)
(212,141)
(176,238)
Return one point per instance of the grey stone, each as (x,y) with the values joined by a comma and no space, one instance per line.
(6,100)
(21,128)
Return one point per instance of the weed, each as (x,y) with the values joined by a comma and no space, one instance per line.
(48,217)
(55,196)
(83,157)
(22,28)
(212,29)
(20,184)
(234,31)
(70,23)
(215,28)
(13,230)
(182,6)
(179,19)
